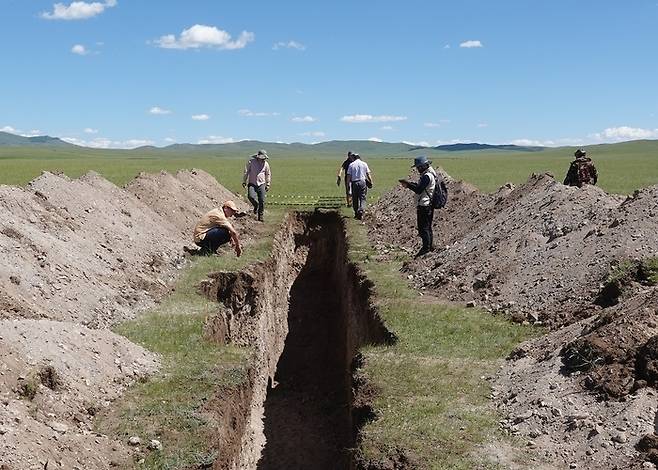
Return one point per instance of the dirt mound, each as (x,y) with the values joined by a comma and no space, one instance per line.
(579,260)
(182,198)
(55,377)
(539,251)
(77,254)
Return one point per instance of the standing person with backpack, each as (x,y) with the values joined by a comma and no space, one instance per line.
(431,193)
(582,170)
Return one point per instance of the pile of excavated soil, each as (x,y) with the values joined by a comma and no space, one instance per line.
(539,251)
(77,256)
(181,198)
(583,396)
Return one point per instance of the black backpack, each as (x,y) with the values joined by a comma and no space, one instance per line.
(439,198)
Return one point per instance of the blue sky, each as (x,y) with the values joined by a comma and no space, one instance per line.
(124,73)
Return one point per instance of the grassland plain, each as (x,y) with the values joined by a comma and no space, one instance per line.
(433,388)
(310,171)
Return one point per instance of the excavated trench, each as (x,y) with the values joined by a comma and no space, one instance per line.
(306,312)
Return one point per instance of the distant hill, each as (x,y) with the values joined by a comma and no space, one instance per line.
(13,140)
(475,146)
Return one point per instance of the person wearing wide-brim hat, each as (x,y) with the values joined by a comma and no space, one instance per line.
(424,190)
(257,179)
(214,229)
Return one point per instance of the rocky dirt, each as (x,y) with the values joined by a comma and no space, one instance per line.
(584,396)
(77,256)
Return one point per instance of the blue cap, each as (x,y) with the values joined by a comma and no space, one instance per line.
(420,160)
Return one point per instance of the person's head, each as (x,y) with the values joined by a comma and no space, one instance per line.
(350,155)
(356,156)
(421,163)
(230,209)
(261,155)
(580,153)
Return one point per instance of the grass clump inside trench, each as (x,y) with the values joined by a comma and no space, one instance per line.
(169,406)
(432,384)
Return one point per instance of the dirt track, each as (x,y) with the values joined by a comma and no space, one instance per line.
(542,253)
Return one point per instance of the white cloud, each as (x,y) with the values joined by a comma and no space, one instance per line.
(89,130)
(200,117)
(313,134)
(170,140)
(216,139)
(289,45)
(157,110)
(12,130)
(482,125)
(386,128)
(250,113)
(200,36)
(375,139)
(533,143)
(105,143)
(303,119)
(417,144)
(361,118)
(447,46)
(471,44)
(77,10)
(620,134)
(432,124)
(79,49)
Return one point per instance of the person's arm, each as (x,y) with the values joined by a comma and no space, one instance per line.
(246,174)
(420,186)
(235,240)
(268,176)
(348,177)
(369,176)
(339,175)
(570,175)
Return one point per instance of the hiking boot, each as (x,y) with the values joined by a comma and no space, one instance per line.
(423,251)
(260,217)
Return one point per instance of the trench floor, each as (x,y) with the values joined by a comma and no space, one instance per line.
(307,414)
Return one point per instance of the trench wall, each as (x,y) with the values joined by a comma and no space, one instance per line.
(254,313)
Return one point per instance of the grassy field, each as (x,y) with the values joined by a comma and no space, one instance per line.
(297,171)
(433,393)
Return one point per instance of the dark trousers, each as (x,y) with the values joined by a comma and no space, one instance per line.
(256,195)
(425,216)
(215,237)
(359,192)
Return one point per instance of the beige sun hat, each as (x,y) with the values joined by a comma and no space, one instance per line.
(262,154)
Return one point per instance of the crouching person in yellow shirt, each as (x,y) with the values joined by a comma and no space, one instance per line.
(214,230)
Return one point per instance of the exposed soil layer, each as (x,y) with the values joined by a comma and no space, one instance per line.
(308,294)
(573,259)
(76,256)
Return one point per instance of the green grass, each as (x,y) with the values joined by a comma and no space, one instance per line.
(169,406)
(307,171)
(433,395)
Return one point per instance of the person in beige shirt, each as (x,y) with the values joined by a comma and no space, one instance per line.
(257,178)
(214,230)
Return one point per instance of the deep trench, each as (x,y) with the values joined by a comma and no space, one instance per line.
(308,421)
(313,409)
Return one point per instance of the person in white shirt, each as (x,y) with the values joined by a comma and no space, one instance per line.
(360,179)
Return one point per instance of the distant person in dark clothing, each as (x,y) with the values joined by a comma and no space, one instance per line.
(360,179)
(424,190)
(214,230)
(581,171)
(342,171)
